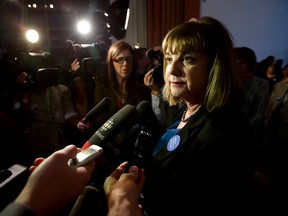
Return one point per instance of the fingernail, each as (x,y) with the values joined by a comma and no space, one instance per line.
(134,168)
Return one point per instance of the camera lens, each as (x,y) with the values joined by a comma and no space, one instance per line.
(158,74)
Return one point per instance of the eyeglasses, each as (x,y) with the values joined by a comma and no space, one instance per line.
(121,60)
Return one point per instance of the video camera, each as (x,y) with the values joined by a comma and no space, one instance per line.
(158,69)
(30,62)
(88,55)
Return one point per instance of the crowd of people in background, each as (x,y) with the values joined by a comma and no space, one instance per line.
(45,115)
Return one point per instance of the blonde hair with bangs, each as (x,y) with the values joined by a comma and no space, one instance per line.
(211,38)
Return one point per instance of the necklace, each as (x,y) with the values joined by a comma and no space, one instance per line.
(183,119)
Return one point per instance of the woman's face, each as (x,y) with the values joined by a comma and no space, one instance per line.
(187,74)
(123,64)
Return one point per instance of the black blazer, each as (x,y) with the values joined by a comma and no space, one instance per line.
(212,167)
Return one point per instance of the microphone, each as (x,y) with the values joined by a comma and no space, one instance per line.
(146,121)
(98,109)
(113,131)
(147,118)
(108,137)
(136,141)
(143,136)
(141,154)
(116,137)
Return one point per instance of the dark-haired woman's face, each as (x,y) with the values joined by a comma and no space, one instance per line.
(123,64)
(187,74)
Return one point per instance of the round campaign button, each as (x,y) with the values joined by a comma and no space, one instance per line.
(173,143)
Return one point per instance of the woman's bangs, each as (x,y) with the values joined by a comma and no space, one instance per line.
(182,43)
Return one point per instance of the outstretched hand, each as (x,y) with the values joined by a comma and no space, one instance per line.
(123,190)
(53,184)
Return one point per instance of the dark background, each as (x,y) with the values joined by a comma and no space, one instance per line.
(58,24)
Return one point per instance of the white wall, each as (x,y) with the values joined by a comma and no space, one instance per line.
(137,30)
(259,24)
(137,26)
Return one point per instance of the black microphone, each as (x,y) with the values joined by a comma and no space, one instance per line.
(108,138)
(114,129)
(148,119)
(143,136)
(98,109)
(142,150)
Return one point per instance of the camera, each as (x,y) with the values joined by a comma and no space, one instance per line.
(157,73)
(81,51)
(88,55)
(92,66)
(30,62)
(48,77)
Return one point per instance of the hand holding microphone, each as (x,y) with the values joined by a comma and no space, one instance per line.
(128,132)
(86,123)
(108,137)
(84,126)
(86,156)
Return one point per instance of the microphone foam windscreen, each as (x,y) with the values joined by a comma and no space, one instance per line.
(111,134)
(98,109)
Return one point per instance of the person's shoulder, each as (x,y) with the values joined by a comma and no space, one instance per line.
(283,83)
(226,110)
(232,121)
(261,81)
(280,86)
(228,115)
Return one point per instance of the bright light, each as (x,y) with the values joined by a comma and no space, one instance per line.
(127,19)
(137,46)
(32,36)
(84,27)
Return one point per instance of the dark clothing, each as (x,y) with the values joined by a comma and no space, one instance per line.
(276,137)
(257,95)
(137,94)
(277,115)
(16,209)
(210,170)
